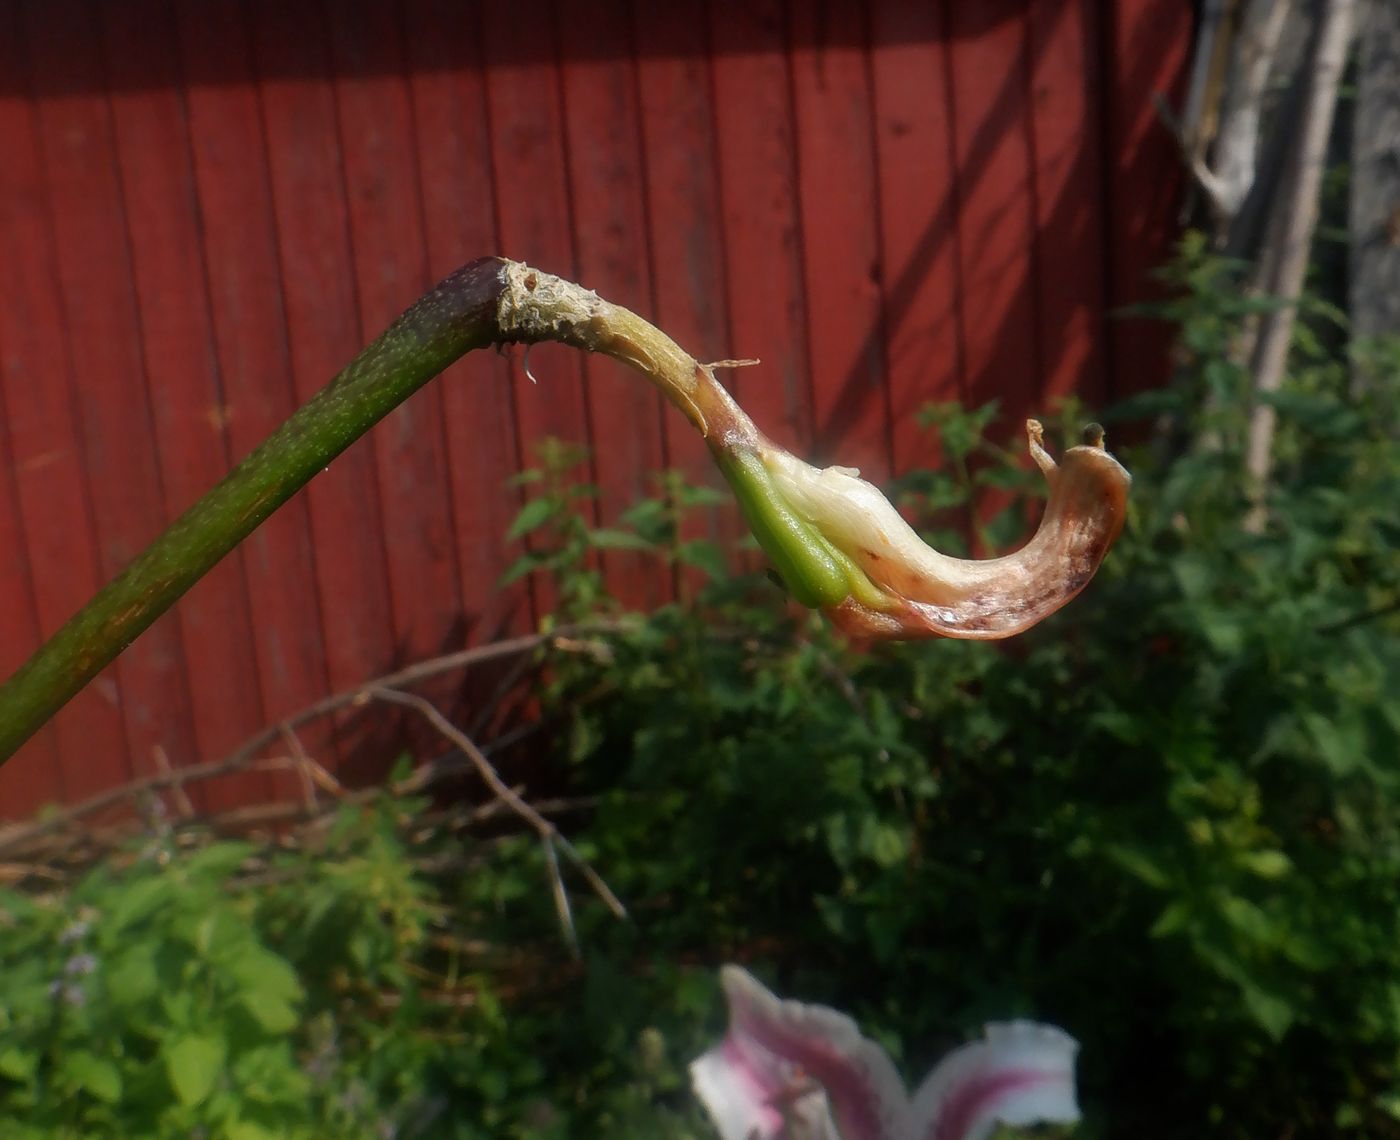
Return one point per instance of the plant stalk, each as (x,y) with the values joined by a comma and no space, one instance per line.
(487,301)
(1283,276)
(837,542)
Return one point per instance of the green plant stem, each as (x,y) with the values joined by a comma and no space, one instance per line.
(487,301)
(458,315)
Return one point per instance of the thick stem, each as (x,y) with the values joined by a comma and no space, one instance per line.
(458,315)
(538,306)
(494,301)
(488,301)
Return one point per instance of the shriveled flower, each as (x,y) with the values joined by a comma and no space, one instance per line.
(788,1071)
(844,548)
(837,543)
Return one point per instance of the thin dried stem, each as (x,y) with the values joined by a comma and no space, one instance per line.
(499,788)
(1298,220)
(244,757)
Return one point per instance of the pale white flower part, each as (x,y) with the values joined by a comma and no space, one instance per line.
(752,1095)
(1019,1073)
(788,1071)
(934,594)
(777,1054)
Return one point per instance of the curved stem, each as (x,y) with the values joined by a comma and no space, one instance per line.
(487,301)
(838,543)
(458,315)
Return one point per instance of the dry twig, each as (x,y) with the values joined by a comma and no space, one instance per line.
(548,833)
(244,758)
(1297,219)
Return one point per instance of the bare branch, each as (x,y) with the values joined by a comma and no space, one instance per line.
(1236,151)
(243,757)
(416,673)
(499,788)
(1207,72)
(1297,220)
(1374,261)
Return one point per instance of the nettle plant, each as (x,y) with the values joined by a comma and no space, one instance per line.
(837,544)
(220,992)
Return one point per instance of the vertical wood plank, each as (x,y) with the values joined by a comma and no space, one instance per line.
(1066,94)
(188,403)
(757,167)
(93,259)
(840,235)
(45,447)
(887,206)
(33,777)
(386,227)
(238,237)
(534,217)
(996,206)
(1146,46)
(918,219)
(601,121)
(682,190)
(532,201)
(308,194)
(453,147)
(686,237)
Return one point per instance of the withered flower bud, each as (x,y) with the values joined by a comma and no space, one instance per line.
(836,541)
(902,588)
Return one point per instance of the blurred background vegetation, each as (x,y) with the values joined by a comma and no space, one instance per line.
(1167,819)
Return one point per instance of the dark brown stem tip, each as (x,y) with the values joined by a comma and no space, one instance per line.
(1093,435)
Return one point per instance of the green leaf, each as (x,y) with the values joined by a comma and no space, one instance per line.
(887,845)
(1389,1103)
(272,1013)
(650,517)
(532,516)
(1273,1014)
(138,900)
(812,569)
(17,1064)
(86,1072)
(1249,920)
(258,970)
(1337,747)
(1002,478)
(219,860)
(1222,629)
(704,555)
(194,1064)
(1266,864)
(247,1130)
(690,495)
(608,539)
(221,933)
(1139,865)
(1172,919)
(525,564)
(134,977)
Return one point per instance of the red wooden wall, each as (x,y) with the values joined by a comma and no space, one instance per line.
(206,208)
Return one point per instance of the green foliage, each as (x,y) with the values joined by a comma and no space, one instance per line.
(223,992)
(1167,819)
(564,546)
